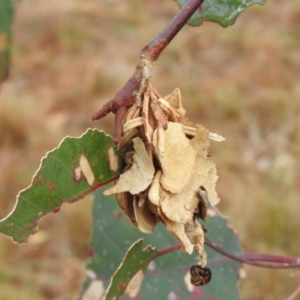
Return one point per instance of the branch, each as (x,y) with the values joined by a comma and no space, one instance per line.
(167,250)
(254,259)
(153,50)
(259,260)
(137,83)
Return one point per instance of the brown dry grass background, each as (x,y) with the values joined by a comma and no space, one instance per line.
(242,82)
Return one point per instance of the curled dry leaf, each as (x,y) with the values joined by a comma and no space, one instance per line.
(153,194)
(174,99)
(144,218)
(139,176)
(125,201)
(178,159)
(168,175)
(210,186)
(180,206)
(179,232)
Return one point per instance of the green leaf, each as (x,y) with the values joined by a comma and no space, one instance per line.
(224,12)
(135,263)
(113,234)
(7,8)
(76,168)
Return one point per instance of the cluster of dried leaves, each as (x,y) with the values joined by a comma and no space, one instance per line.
(168,173)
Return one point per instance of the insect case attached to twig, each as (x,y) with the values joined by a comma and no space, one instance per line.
(168,171)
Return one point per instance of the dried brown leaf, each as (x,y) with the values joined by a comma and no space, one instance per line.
(201,144)
(125,201)
(179,232)
(201,141)
(210,186)
(178,158)
(185,168)
(180,207)
(144,218)
(139,176)
(191,236)
(174,100)
(153,193)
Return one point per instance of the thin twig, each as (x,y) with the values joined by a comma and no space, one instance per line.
(138,82)
(254,259)
(272,258)
(167,250)
(258,260)
(153,50)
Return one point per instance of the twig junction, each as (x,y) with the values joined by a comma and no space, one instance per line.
(137,83)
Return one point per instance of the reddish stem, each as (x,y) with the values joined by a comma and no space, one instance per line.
(167,250)
(154,48)
(272,258)
(137,83)
(255,259)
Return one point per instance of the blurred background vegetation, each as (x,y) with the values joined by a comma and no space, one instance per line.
(71,56)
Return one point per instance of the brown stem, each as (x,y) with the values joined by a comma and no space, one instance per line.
(255,259)
(138,82)
(272,258)
(159,43)
(167,250)
(259,260)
